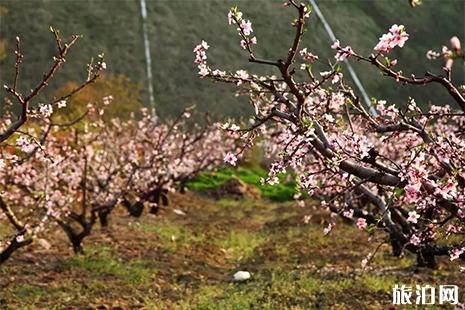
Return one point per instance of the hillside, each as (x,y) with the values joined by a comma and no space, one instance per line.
(175,27)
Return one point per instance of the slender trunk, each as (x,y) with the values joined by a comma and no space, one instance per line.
(75,237)
(10,249)
(155,200)
(135,209)
(182,186)
(103,217)
(425,259)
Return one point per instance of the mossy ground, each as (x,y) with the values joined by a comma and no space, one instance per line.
(187,262)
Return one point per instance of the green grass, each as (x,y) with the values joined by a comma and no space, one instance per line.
(283,191)
(240,244)
(378,283)
(101,262)
(29,291)
(172,236)
(286,289)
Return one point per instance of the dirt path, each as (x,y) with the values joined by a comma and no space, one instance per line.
(186,262)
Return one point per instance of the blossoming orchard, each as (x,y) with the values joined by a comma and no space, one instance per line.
(398,170)
(198,209)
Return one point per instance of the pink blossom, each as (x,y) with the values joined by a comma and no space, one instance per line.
(218,73)
(200,52)
(306,55)
(246,27)
(307,218)
(361,223)
(431,55)
(412,192)
(364,262)
(348,213)
(61,104)
(399,35)
(336,78)
(204,45)
(415,240)
(328,229)
(231,14)
(203,70)
(230,158)
(396,37)
(461,213)
(24,144)
(336,45)
(343,53)
(242,74)
(230,18)
(455,44)
(46,110)
(413,217)
(273,180)
(455,253)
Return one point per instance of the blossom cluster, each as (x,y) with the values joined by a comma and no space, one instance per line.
(397,36)
(132,163)
(399,171)
(244,28)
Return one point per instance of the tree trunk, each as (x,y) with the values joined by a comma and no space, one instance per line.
(155,200)
(103,217)
(135,209)
(10,249)
(426,260)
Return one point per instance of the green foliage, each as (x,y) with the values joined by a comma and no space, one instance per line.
(283,191)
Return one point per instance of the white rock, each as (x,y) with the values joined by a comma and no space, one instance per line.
(179,212)
(241,276)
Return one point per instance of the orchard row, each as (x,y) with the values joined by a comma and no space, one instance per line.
(69,174)
(394,168)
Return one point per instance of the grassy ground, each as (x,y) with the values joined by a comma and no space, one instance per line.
(252,175)
(187,262)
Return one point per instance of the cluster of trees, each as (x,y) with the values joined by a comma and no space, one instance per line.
(384,168)
(69,171)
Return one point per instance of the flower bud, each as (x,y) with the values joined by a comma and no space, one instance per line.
(455,44)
